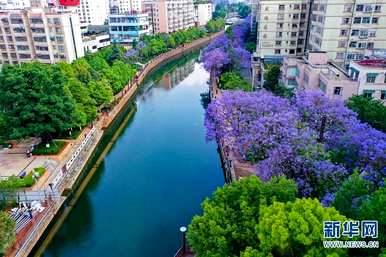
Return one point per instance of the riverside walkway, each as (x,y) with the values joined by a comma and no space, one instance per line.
(68,170)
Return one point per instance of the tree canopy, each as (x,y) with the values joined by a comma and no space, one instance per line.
(233,81)
(7,231)
(250,217)
(47,100)
(369,110)
(230,216)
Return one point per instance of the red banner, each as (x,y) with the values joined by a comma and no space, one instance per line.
(69,2)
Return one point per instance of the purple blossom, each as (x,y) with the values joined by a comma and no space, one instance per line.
(220,41)
(215,60)
(284,138)
(328,199)
(241,58)
(131,53)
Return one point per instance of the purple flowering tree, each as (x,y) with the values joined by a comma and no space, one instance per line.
(312,139)
(216,60)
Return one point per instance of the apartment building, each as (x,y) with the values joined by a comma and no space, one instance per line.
(127,27)
(346,28)
(122,6)
(92,43)
(39,34)
(314,71)
(282,28)
(14,4)
(203,13)
(93,12)
(172,15)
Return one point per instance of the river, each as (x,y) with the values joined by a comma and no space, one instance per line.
(153,179)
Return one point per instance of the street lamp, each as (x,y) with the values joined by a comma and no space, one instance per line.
(183,230)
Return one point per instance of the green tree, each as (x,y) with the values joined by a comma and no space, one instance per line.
(228,224)
(374,208)
(233,81)
(100,91)
(351,194)
(271,82)
(82,70)
(220,11)
(85,105)
(215,25)
(271,77)
(295,229)
(171,42)
(34,101)
(7,232)
(243,10)
(369,110)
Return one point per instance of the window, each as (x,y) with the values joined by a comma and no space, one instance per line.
(359,8)
(294,34)
(372,33)
(370,77)
(296,6)
(347,8)
(357,20)
(277,51)
(344,32)
(362,45)
(339,56)
(338,90)
(278,43)
(322,86)
(368,8)
(354,32)
(281,7)
(377,8)
(342,43)
(366,20)
(353,44)
(383,95)
(368,93)
(363,33)
(370,45)
(374,20)
(280,16)
(22,47)
(346,20)
(292,51)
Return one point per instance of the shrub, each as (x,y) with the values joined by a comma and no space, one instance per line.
(56,147)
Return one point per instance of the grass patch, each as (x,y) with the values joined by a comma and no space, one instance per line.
(56,147)
(14,182)
(74,135)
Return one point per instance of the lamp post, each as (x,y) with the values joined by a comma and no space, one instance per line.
(183,230)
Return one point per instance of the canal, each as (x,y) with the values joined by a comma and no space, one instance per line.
(153,179)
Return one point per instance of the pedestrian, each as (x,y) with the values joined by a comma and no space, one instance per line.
(30,213)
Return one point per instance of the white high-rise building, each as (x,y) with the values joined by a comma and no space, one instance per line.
(171,15)
(125,6)
(14,4)
(93,12)
(346,28)
(282,28)
(203,13)
(39,34)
